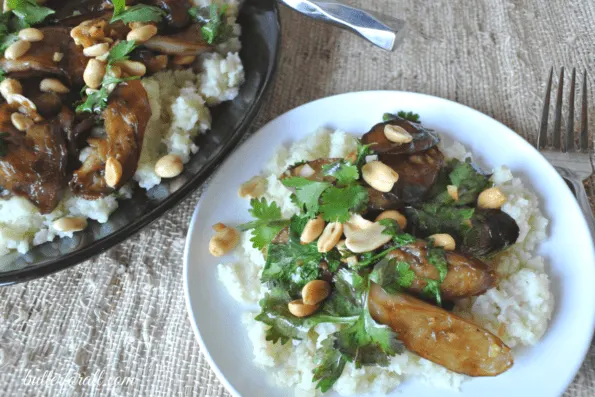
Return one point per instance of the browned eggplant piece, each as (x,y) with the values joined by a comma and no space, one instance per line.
(379,201)
(67,11)
(440,336)
(35,164)
(39,60)
(154,62)
(466,276)
(187,42)
(417,173)
(491,231)
(126,117)
(177,12)
(423,139)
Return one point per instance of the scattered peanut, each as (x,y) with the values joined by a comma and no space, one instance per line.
(395,215)
(312,230)
(133,68)
(491,198)
(362,235)
(58,56)
(25,106)
(453,192)
(380,176)
(70,224)
(169,166)
(96,50)
(299,309)
(142,34)
(397,134)
(21,122)
(315,292)
(113,172)
(224,240)
(330,236)
(53,85)
(183,59)
(94,72)
(253,188)
(9,87)
(443,240)
(17,49)
(31,35)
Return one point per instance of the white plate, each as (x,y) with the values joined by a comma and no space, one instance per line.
(545,369)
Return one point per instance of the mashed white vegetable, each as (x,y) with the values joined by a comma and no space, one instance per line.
(179,104)
(518,310)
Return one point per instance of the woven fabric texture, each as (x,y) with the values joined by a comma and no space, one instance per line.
(122,314)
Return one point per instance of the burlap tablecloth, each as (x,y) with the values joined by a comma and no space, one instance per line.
(122,314)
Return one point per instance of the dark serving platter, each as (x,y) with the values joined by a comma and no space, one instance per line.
(260,38)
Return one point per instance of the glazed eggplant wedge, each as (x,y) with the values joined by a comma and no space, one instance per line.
(440,336)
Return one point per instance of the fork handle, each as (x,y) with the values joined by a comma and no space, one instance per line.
(581,196)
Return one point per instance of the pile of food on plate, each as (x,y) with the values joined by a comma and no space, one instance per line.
(384,258)
(99,96)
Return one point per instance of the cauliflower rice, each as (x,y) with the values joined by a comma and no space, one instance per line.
(518,310)
(179,104)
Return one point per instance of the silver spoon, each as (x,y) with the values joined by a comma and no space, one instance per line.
(382,30)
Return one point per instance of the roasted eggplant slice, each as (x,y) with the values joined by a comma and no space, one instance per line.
(417,173)
(187,42)
(491,231)
(177,12)
(466,276)
(422,139)
(126,117)
(440,336)
(379,201)
(35,163)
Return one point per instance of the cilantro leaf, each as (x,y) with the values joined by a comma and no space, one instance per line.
(330,365)
(362,152)
(2,75)
(410,116)
(6,39)
(137,13)
(469,182)
(215,30)
(119,6)
(28,11)
(391,227)
(338,203)
(95,102)
(437,257)
(267,223)
(3,143)
(432,290)
(120,51)
(307,193)
(433,218)
(392,275)
(344,172)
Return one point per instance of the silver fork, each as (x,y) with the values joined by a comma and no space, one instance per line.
(572,163)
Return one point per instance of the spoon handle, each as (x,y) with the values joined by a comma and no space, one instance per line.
(381,30)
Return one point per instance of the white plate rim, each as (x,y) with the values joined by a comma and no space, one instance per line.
(205,351)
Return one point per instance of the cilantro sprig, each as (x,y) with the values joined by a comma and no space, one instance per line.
(267,222)
(410,116)
(215,28)
(28,12)
(136,13)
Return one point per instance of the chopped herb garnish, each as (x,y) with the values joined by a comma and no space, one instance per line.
(215,29)
(392,275)
(267,224)
(410,116)
(343,171)
(136,13)
(362,152)
(307,193)
(338,203)
(28,11)
(120,51)
(2,75)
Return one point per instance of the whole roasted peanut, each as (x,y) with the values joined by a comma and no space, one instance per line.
(315,292)
(113,172)
(362,235)
(330,236)
(491,198)
(132,68)
(183,59)
(443,240)
(9,87)
(141,34)
(380,176)
(394,215)
(17,49)
(453,192)
(299,309)
(253,188)
(31,35)
(169,166)
(94,72)
(224,240)
(397,134)
(53,85)
(96,50)
(70,224)
(21,122)
(58,56)
(312,230)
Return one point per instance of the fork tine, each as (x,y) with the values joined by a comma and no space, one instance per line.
(558,111)
(584,116)
(570,123)
(542,137)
